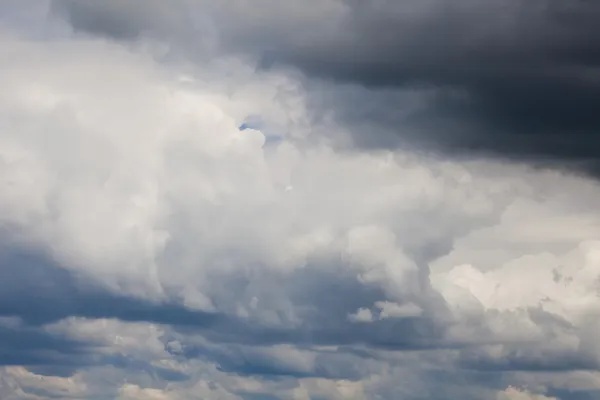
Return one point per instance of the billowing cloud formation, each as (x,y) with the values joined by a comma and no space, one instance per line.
(515,79)
(157,243)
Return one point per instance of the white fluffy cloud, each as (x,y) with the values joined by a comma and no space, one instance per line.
(132,174)
(516,394)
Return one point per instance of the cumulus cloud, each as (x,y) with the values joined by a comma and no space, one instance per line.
(158,243)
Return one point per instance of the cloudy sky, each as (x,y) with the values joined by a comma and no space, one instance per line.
(297,200)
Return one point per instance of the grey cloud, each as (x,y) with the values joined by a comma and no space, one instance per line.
(515,79)
(40,292)
(29,346)
(122,20)
(528,358)
(312,304)
(575,394)
(253,361)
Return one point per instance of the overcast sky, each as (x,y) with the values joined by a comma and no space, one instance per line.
(321,199)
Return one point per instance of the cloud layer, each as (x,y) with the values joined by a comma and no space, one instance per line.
(188,227)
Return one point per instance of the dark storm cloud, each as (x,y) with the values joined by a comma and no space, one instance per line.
(516,79)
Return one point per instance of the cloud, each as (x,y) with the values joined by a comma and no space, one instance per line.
(156,244)
(19,383)
(394,310)
(134,392)
(514,80)
(361,315)
(516,394)
(387,310)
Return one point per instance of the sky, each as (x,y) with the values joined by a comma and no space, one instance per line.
(316,200)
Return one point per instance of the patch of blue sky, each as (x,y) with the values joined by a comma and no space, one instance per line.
(272,137)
